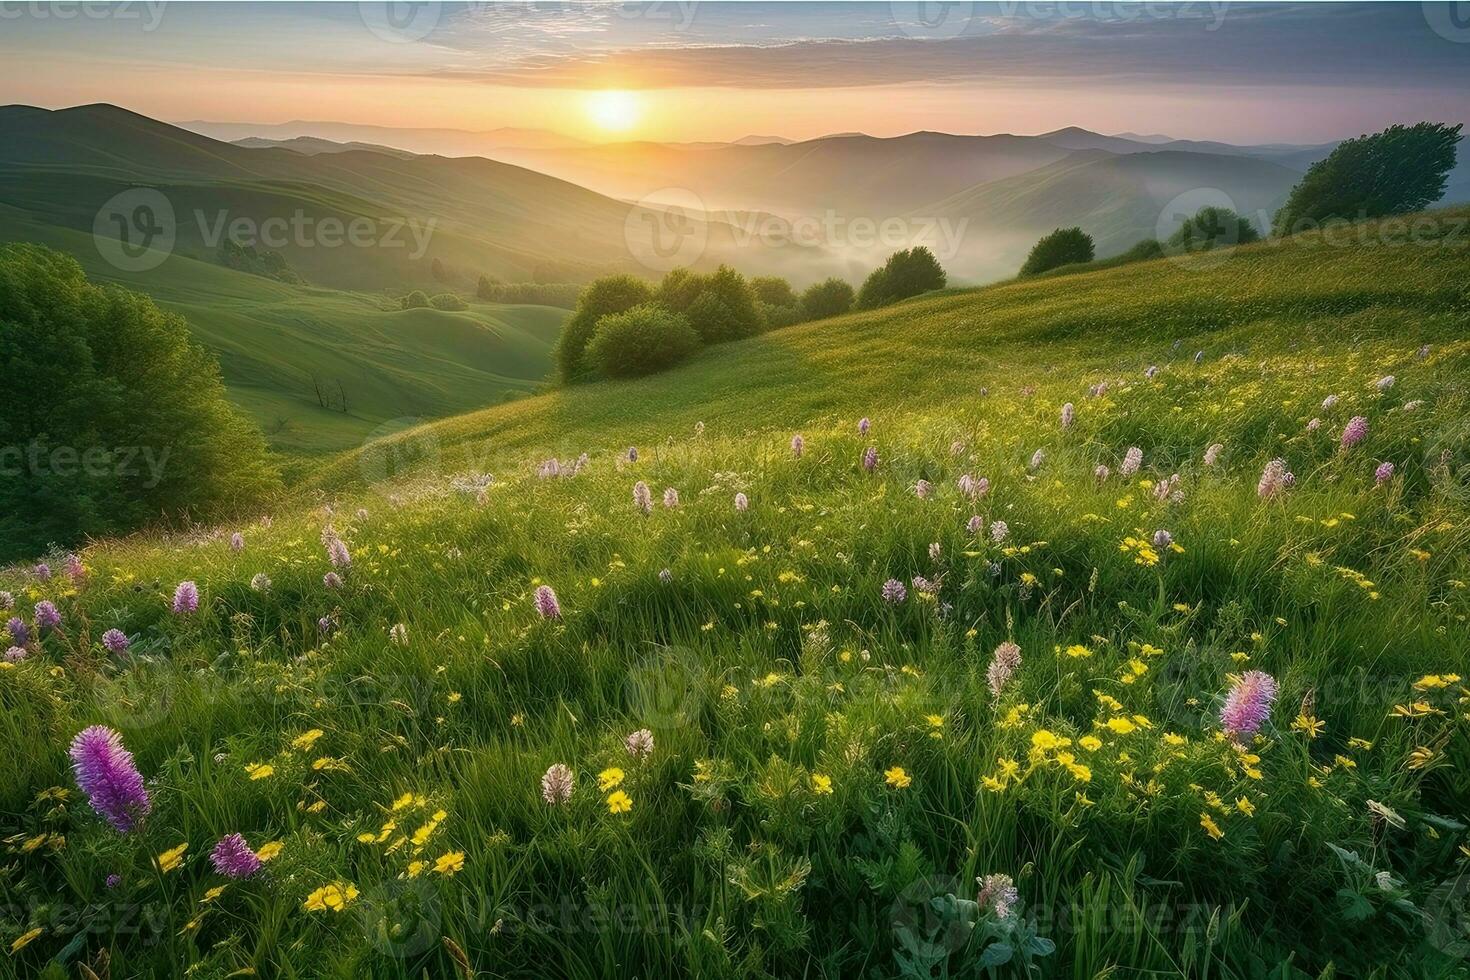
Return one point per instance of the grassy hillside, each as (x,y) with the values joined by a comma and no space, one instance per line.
(276,342)
(797,741)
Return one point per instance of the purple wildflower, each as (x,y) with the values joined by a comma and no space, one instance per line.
(923,489)
(1102,473)
(975,524)
(998,893)
(237,541)
(1384,383)
(1069,415)
(233,858)
(546,603)
(74,569)
(1003,664)
(1248,705)
(47,615)
(332,580)
(864,425)
(639,744)
(966,483)
(642,498)
(1329,403)
(870,459)
(1037,458)
(1212,455)
(7,601)
(337,552)
(42,571)
(1354,432)
(113,880)
(998,531)
(1153,369)
(556,785)
(1314,424)
(1132,460)
(742,502)
(1275,478)
(894,592)
(19,634)
(632,454)
(16,654)
(106,773)
(671,498)
(116,641)
(1162,539)
(186,598)
(1383,474)
(798,445)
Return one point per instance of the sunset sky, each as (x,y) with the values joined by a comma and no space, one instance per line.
(712,71)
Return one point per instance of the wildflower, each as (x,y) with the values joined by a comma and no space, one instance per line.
(24,940)
(173,858)
(998,894)
(1275,479)
(186,598)
(449,864)
(1069,415)
(106,773)
(998,531)
(1248,705)
(237,541)
(332,580)
(742,503)
(269,850)
(1037,458)
(975,524)
(1384,383)
(1212,454)
(619,802)
(821,785)
(546,603)
(1414,406)
(1162,539)
(1101,473)
(20,635)
(864,425)
(1329,403)
(639,744)
(798,444)
(923,489)
(1132,460)
(42,571)
(642,499)
(47,616)
(398,635)
(260,582)
(7,601)
(331,898)
(896,777)
(1153,370)
(15,655)
(894,592)
(1314,424)
(233,858)
(1210,827)
(1354,432)
(113,880)
(610,778)
(671,498)
(665,575)
(1383,474)
(1003,663)
(337,552)
(557,784)
(870,459)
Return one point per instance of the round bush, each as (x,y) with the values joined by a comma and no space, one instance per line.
(610,294)
(448,301)
(1065,246)
(643,340)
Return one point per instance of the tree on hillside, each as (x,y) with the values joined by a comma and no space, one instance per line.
(831,297)
(1212,227)
(1064,246)
(725,308)
(906,273)
(773,290)
(111,417)
(679,289)
(1401,169)
(643,340)
(610,294)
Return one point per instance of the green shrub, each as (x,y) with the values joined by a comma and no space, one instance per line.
(1212,228)
(448,301)
(906,273)
(111,417)
(562,294)
(643,340)
(1402,169)
(610,294)
(776,317)
(831,297)
(679,289)
(725,308)
(1064,246)
(773,291)
(416,300)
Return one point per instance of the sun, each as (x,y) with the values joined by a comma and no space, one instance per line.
(613,110)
